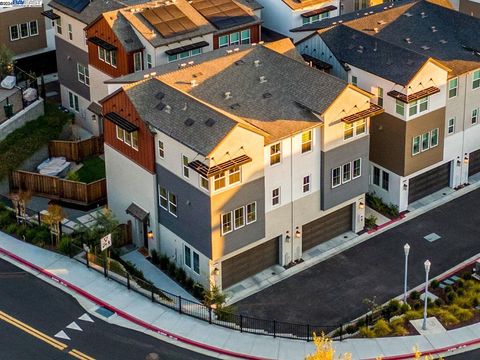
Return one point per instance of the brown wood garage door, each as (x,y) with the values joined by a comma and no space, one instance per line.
(474,163)
(429,182)
(250,262)
(327,227)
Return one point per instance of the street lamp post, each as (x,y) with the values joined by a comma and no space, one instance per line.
(427,265)
(406,250)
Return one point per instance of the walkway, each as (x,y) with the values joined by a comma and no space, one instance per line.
(156,276)
(133,310)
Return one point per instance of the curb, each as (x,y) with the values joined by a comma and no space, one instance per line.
(125,315)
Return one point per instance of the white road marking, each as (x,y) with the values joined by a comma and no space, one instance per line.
(86,317)
(62,335)
(74,326)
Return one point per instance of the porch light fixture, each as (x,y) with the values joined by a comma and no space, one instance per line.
(361,205)
(458,161)
(216,271)
(287,236)
(94,118)
(297,232)
(150,234)
(405,186)
(465,159)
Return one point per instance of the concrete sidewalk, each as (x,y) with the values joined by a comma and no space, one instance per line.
(136,311)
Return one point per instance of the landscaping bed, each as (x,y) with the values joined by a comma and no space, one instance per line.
(92,169)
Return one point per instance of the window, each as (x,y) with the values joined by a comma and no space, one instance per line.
(336,178)
(137,62)
(172,203)
(188,256)
(452,88)
(223,41)
(163,198)
(70,32)
(73,101)
(412,108)
(385,180)
(306,141)
(135,140)
(24,30)
(276,196)
(306,184)
(219,181)
(204,183)
(251,212)
(149,61)
(196,52)
(161,149)
(186,169)
(346,174)
(14,34)
(433,138)
(128,138)
(347,131)
(376,176)
(234,175)
(226,223)
(101,53)
(423,104)
(184,54)
(380,96)
(275,154)
(354,80)
(245,36)
(33,28)
(113,58)
(418,106)
(425,141)
(59,26)
(196,262)
(360,127)
(83,76)
(110,57)
(400,108)
(476,80)
(474,116)
(416,145)
(353,129)
(235,38)
(357,168)
(239,216)
(120,133)
(451,126)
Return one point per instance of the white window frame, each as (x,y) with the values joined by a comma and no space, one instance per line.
(30,28)
(161,149)
(121,131)
(223,222)
(419,145)
(306,186)
(451,126)
(218,179)
(149,61)
(374,170)
(399,105)
(309,142)
(242,217)
(245,39)
(224,44)
(187,256)
(436,132)
(347,128)
(476,80)
(234,171)
(247,212)
(27,26)
(379,96)
(354,80)
(135,140)
(234,42)
(203,179)
(275,151)
(82,71)
(102,54)
(70,31)
(18,32)
(185,168)
(339,169)
(425,138)
(58,22)
(137,61)
(161,197)
(384,175)
(73,101)
(276,197)
(359,160)
(474,117)
(194,253)
(452,88)
(349,173)
(173,204)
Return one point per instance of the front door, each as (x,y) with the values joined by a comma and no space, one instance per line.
(140,233)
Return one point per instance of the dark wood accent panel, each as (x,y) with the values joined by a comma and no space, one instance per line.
(429,182)
(145,156)
(254,35)
(102,30)
(327,227)
(250,262)
(474,163)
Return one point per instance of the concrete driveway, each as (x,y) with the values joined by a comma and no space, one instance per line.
(331,292)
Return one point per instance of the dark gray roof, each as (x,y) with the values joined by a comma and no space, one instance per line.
(125,34)
(146,97)
(373,55)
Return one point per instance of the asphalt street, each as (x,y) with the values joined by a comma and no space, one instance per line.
(471,355)
(332,292)
(37,306)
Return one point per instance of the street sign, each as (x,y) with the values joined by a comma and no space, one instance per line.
(106,242)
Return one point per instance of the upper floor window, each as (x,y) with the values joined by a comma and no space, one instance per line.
(163,194)
(345,173)
(236,38)
(161,149)
(400,108)
(186,169)
(219,181)
(476,80)
(336,177)
(418,106)
(452,88)
(315,18)
(360,4)
(354,80)
(245,36)
(425,141)
(184,55)
(149,61)
(380,96)
(222,180)
(14,33)
(238,218)
(275,153)
(227,223)
(451,126)
(204,183)
(251,212)
(24,30)
(70,32)
(307,141)
(172,203)
(353,129)
(130,139)
(59,26)
(83,76)
(109,57)
(475,116)
(234,175)
(276,196)
(381,178)
(306,184)
(137,62)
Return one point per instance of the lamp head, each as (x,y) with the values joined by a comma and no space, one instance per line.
(427,265)
(406,249)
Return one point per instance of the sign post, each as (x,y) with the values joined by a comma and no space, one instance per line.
(105,243)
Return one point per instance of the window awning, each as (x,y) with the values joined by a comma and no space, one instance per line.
(415,96)
(318,11)
(181,49)
(207,172)
(122,122)
(137,212)
(319,64)
(373,110)
(95,108)
(50,14)
(103,44)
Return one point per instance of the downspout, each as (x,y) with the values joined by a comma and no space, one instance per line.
(462,158)
(292,235)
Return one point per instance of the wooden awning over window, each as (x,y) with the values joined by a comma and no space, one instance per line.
(102,43)
(137,212)
(318,11)
(415,96)
(372,111)
(185,48)
(208,172)
(50,14)
(121,122)
(319,64)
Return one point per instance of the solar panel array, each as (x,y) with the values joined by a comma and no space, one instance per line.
(169,20)
(75,5)
(222,13)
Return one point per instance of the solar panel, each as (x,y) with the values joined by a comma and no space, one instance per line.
(222,13)
(169,20)
(75,5)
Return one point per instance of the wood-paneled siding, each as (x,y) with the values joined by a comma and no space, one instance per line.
(145,155)
(254,35)
(102,30)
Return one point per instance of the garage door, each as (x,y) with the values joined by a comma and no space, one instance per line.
(429,182)
(474,163)
(327,227)
(250,262)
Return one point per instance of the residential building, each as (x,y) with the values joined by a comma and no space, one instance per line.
(423,65)
(239,162)
(97,41)
(469,7)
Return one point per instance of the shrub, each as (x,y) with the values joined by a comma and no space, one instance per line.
(451,296)
(435,284)
(11,228)
(21,231)
(448,289)
(370,221)
(155,257)
(171,269)
(460,313)
(443,315)
(461,283)
(404,308)
(398,327)
(366,332)
(42,236)
(181,275)
(417,304)
(392,309)
(189,283)
(198,291)
(413,314)
(382,328)
(163,262)
(439,302)
(7,217)
(460,292)
(392,210)
(73,176)
(414,295)
(30,234)
(116,267)
(64,245)
(467,276)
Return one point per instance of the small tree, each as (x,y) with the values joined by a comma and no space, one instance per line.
(6,61)
(53,218)
(325,350)
(20,200)
(105,223)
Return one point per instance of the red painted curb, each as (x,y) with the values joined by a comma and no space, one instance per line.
(125,315)
(388,223)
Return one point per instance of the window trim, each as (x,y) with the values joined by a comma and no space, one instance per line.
(58,23)
(30,27)
(279,153)
(163,198)
(149,61)
(419,138)
(255,212)
(161,149)
(276,197)
(242,209)
(189,257)
(349,172)
(137,63)
(399,105)
(70,31)
(353,168)
(339,168)
(472,117)
(427,134)
(308,184)
(452,126)
(374,177)
(310,142)
(76,104)
(476,81)
(453,88)
(170,202)
(193,262)
(201,178)
(223,223)
(380,96)
(436,131)
(18,32)
(85,74)
(185,168)
(230,174)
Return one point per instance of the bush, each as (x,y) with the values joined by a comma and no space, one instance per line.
(64,245)
(413,314)
(392,309)
(461,283)
(439,302)
(460,313)
(42,236)
(414,295)
(22,231)
(366,332)
(398,327)
(73,176)
(382,328)
(434,284)
(171,268)
(451,296)
(404,308)
(448,289)
(116,267)
(7,217)
(444,316)
(198,291)
(163,262)
(181,275)
(155,257)
(370,221)
(467,276)
(189,283)
(30,234)
(11,229)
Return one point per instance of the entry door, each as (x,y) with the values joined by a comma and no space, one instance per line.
(139,234)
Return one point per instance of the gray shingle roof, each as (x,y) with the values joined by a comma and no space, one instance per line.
(125,34)
(148,94)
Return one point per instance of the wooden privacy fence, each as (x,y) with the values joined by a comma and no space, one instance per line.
(76,150)
(59,189)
